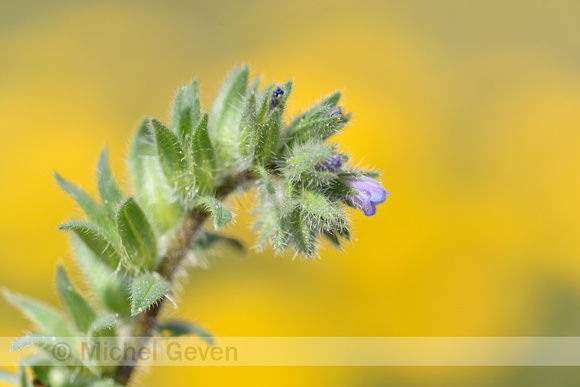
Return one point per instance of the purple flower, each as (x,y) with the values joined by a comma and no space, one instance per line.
(370,193)
(331,164)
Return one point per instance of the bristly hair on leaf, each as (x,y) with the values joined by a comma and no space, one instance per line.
(133,246)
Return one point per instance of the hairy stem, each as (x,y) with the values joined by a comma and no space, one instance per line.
(144,325)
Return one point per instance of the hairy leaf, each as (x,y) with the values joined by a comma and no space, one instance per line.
(305,158)
(108,189)
(82,312)
(138,238)
(95,240)
(264,99)
(148,288)
(219,211)
(325,213)
(186,111)
(39,340)
(267,136)
(48,319)
(355,172)
(318,122)
(110,286)
(266,180)
(267,222)
(302,235)
(172,157)
(202,156)
(95,212)
(104,322)
(226,113)
(248,125)
(151,187)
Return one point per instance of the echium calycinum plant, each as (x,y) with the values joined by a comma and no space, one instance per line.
(131,247)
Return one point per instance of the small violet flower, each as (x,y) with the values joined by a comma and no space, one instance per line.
(370,193)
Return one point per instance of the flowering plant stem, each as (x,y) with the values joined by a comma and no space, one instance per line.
(132,248)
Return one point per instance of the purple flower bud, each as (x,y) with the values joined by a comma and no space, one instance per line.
(370,193)
(275,98)
(336,112)
(331,164)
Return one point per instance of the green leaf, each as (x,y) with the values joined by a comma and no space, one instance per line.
(279,238)
(317,123)
(55,373)
(176,108)
(83,313)
(287,91)
(264,99)
(22,377)
(9,377)
(269,118)
(305,158)
(42,341)
(172,157)
(221,214)
(267,135)
(186,111)
(202,157)
(95,240)
(266,182)
(183,328)
(331,236)
(148,288)
(207,240)
(108,188)
(67,352)
(110,286)
(320,129)
(255,83)
(302,235)
(226,112)
(138,238)
(95,212)
(351,171)
(287,198)
(104,322)
(49,342)
(248,125)
(267,222)
(47,318)
(151,187)
(323,211)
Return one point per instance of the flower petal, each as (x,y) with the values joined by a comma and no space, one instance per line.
(362,200)
(370,211)
(370,193)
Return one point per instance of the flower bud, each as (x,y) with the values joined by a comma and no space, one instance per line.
(370,193)
(331,164)
(275,98)
(337,112)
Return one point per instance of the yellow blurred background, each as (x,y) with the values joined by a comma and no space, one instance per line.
(471,109)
